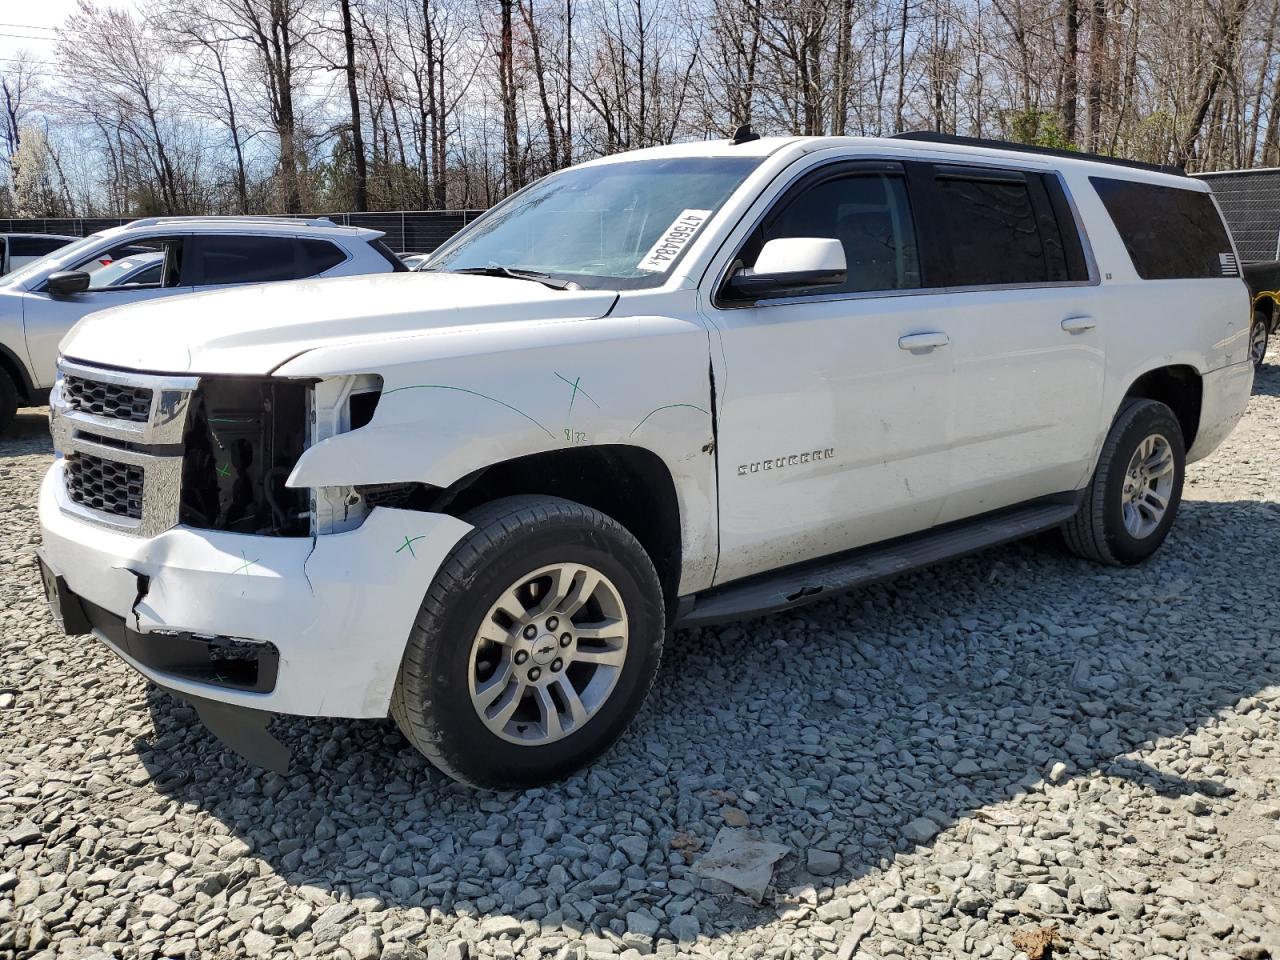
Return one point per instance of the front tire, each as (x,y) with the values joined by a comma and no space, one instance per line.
(1133,498)
(1258,333)
(535,646)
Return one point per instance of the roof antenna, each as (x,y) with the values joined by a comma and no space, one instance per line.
(744,134)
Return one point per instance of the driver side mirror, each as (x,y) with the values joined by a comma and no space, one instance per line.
(66,282)
(790,263)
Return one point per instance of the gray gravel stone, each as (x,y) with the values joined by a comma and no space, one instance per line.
(920,830)
(606,881)
(822,863)
(258,944)
(24,833)
(500,926)
(363,943)
(642,923)
(685,929)
(908,925)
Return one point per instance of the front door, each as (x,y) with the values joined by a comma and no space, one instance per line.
(47,318)
(831,422)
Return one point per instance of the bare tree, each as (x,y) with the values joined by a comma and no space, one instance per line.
(119,68)
(353,97)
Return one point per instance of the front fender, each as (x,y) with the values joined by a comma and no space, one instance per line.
(447,410)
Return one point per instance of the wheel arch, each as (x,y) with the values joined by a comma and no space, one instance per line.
(17,371)
(630,484)
(1180,388)
(1267,303)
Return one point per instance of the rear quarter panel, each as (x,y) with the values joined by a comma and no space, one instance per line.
(1200,323)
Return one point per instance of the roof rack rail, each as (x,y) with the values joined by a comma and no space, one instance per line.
(930,136)
(264,218)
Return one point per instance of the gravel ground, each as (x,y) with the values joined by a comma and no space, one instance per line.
(1012,754)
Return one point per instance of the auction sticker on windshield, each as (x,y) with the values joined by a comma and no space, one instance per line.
(674,239)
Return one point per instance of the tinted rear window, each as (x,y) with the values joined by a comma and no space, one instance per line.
(1171,234)
(317,257)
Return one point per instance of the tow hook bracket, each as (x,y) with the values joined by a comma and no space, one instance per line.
(242,730)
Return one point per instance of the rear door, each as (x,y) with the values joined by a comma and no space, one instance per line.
(1025,318)
(47,318)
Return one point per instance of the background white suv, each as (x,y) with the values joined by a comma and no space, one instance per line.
(41,301)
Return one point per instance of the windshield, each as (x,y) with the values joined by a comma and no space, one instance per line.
(61,255)
(617,225)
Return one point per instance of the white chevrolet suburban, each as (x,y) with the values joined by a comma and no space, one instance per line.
(664,388)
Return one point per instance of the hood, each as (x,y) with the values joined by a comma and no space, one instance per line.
(254,329)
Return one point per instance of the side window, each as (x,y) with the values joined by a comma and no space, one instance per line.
(995,227)
(35,246)
(224,258)
(867,212)
(1170,233)
(319,256)
(220,258)
(139,264)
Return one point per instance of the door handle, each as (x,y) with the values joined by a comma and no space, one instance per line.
(1078,324)
(923,342)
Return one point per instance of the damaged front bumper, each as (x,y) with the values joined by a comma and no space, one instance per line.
(312,626)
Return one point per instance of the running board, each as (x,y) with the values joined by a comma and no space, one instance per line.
(804,583)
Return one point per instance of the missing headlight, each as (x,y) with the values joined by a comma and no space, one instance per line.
(243,438)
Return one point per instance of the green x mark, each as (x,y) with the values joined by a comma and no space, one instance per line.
(409,543)
(576,384)
(224,470)
(244,567)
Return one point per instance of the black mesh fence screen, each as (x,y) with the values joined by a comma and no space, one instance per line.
(1250,201)
(410,231)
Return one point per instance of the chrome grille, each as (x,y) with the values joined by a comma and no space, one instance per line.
(118,401)
(120,438)
(101,484)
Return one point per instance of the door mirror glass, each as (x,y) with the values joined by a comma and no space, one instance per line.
(66,282)
(790,263)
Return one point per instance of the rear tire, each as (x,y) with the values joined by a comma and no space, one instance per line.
(1259,330)
(8,400)
(1133,497)
(535,645)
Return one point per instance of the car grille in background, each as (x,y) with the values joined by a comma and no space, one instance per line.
(115,400)
(105,485)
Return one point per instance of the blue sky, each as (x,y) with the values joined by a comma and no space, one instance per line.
(28,25)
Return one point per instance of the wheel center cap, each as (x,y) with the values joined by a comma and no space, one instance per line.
(544,650)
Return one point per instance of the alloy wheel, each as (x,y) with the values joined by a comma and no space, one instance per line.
(548,654)
(1148,485)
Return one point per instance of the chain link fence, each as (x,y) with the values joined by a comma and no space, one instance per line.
(407,231)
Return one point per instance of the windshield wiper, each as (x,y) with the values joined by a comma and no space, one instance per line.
(494,270)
